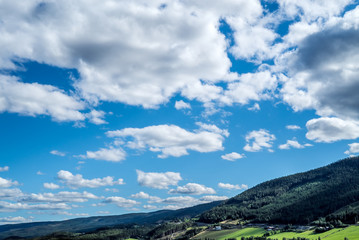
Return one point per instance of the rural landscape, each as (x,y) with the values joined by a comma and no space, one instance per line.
(179,119)
(319,204)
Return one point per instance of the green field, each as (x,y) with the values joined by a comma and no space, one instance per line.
(233,233)
(352,233)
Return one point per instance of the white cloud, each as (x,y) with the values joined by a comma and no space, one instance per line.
(71,214)
(10,207)
(14,220)
(158,180)
(331,129)
(4,169)
(171,140)
(96,117)
(257,140)
(10,193)
(293,127)
(34,99)
(77,181)
(293,144)
(212,198)
(51,186)
(150,207)
(121,202)
(353,148)
(193,189)
(58,153)
(5,183)
(255,107)
(40,173)
(232,186)
(182,105)
(107,154)
(115,190)
(232,156)
(59,197)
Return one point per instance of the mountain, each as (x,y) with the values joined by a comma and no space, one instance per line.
(330,192)
(92,223)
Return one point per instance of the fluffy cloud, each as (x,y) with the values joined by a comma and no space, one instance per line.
(110,154)
(58,153)
(171,140)
(212,198)
(51,186)
(143,195)
(10,207)
(34,99)
(10,193)
(121,202)
(293,144)
(5,183)
(96,117)
(232,156)
(331,129)
(182,105)
(292,127)
(77,181)
(4,169)
(232,186)
(158,180)
(193,189)
(14,220)
(59,197)
(257,140)
(353,148)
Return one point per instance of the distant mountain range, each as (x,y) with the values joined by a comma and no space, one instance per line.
(92,223)
(330,192)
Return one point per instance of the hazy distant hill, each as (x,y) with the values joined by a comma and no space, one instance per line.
(331,191)
(92,223)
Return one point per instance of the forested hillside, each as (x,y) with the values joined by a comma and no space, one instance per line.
(331,191)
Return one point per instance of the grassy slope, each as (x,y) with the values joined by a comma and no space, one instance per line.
(232,233)
(352,233)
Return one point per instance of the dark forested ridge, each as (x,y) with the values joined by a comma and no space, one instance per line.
(331,191)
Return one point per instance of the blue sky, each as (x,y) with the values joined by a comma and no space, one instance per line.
(111,107)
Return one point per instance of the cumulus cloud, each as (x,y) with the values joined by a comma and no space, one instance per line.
(171,140)
(331,129)
(353,148)
(77,181)
(107,154)
(193,189)
(10,207)
(5,183)
(59,197)
(293,144)
(257,140)
(182,105)
(150,207)
(10,193)
(158,180)
(212,198)
(34,99)
(14,220)
(293,127)
(143,195)
(51,186)
(58,153)
(232,156)
(232,186)
(121,202)
(4,169)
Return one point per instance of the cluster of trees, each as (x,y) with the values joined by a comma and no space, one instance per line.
(299,198)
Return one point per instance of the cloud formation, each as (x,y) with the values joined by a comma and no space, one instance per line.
(293,144)
(171,140)
(257,140)
(77,181)
(107,154)
(232,156)
(158,180)
(193,189)
(232,186)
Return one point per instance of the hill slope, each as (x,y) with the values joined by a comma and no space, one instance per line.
(331,191)
(92,223)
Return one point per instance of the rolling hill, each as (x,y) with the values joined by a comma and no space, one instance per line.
(331,192)
(92,223)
